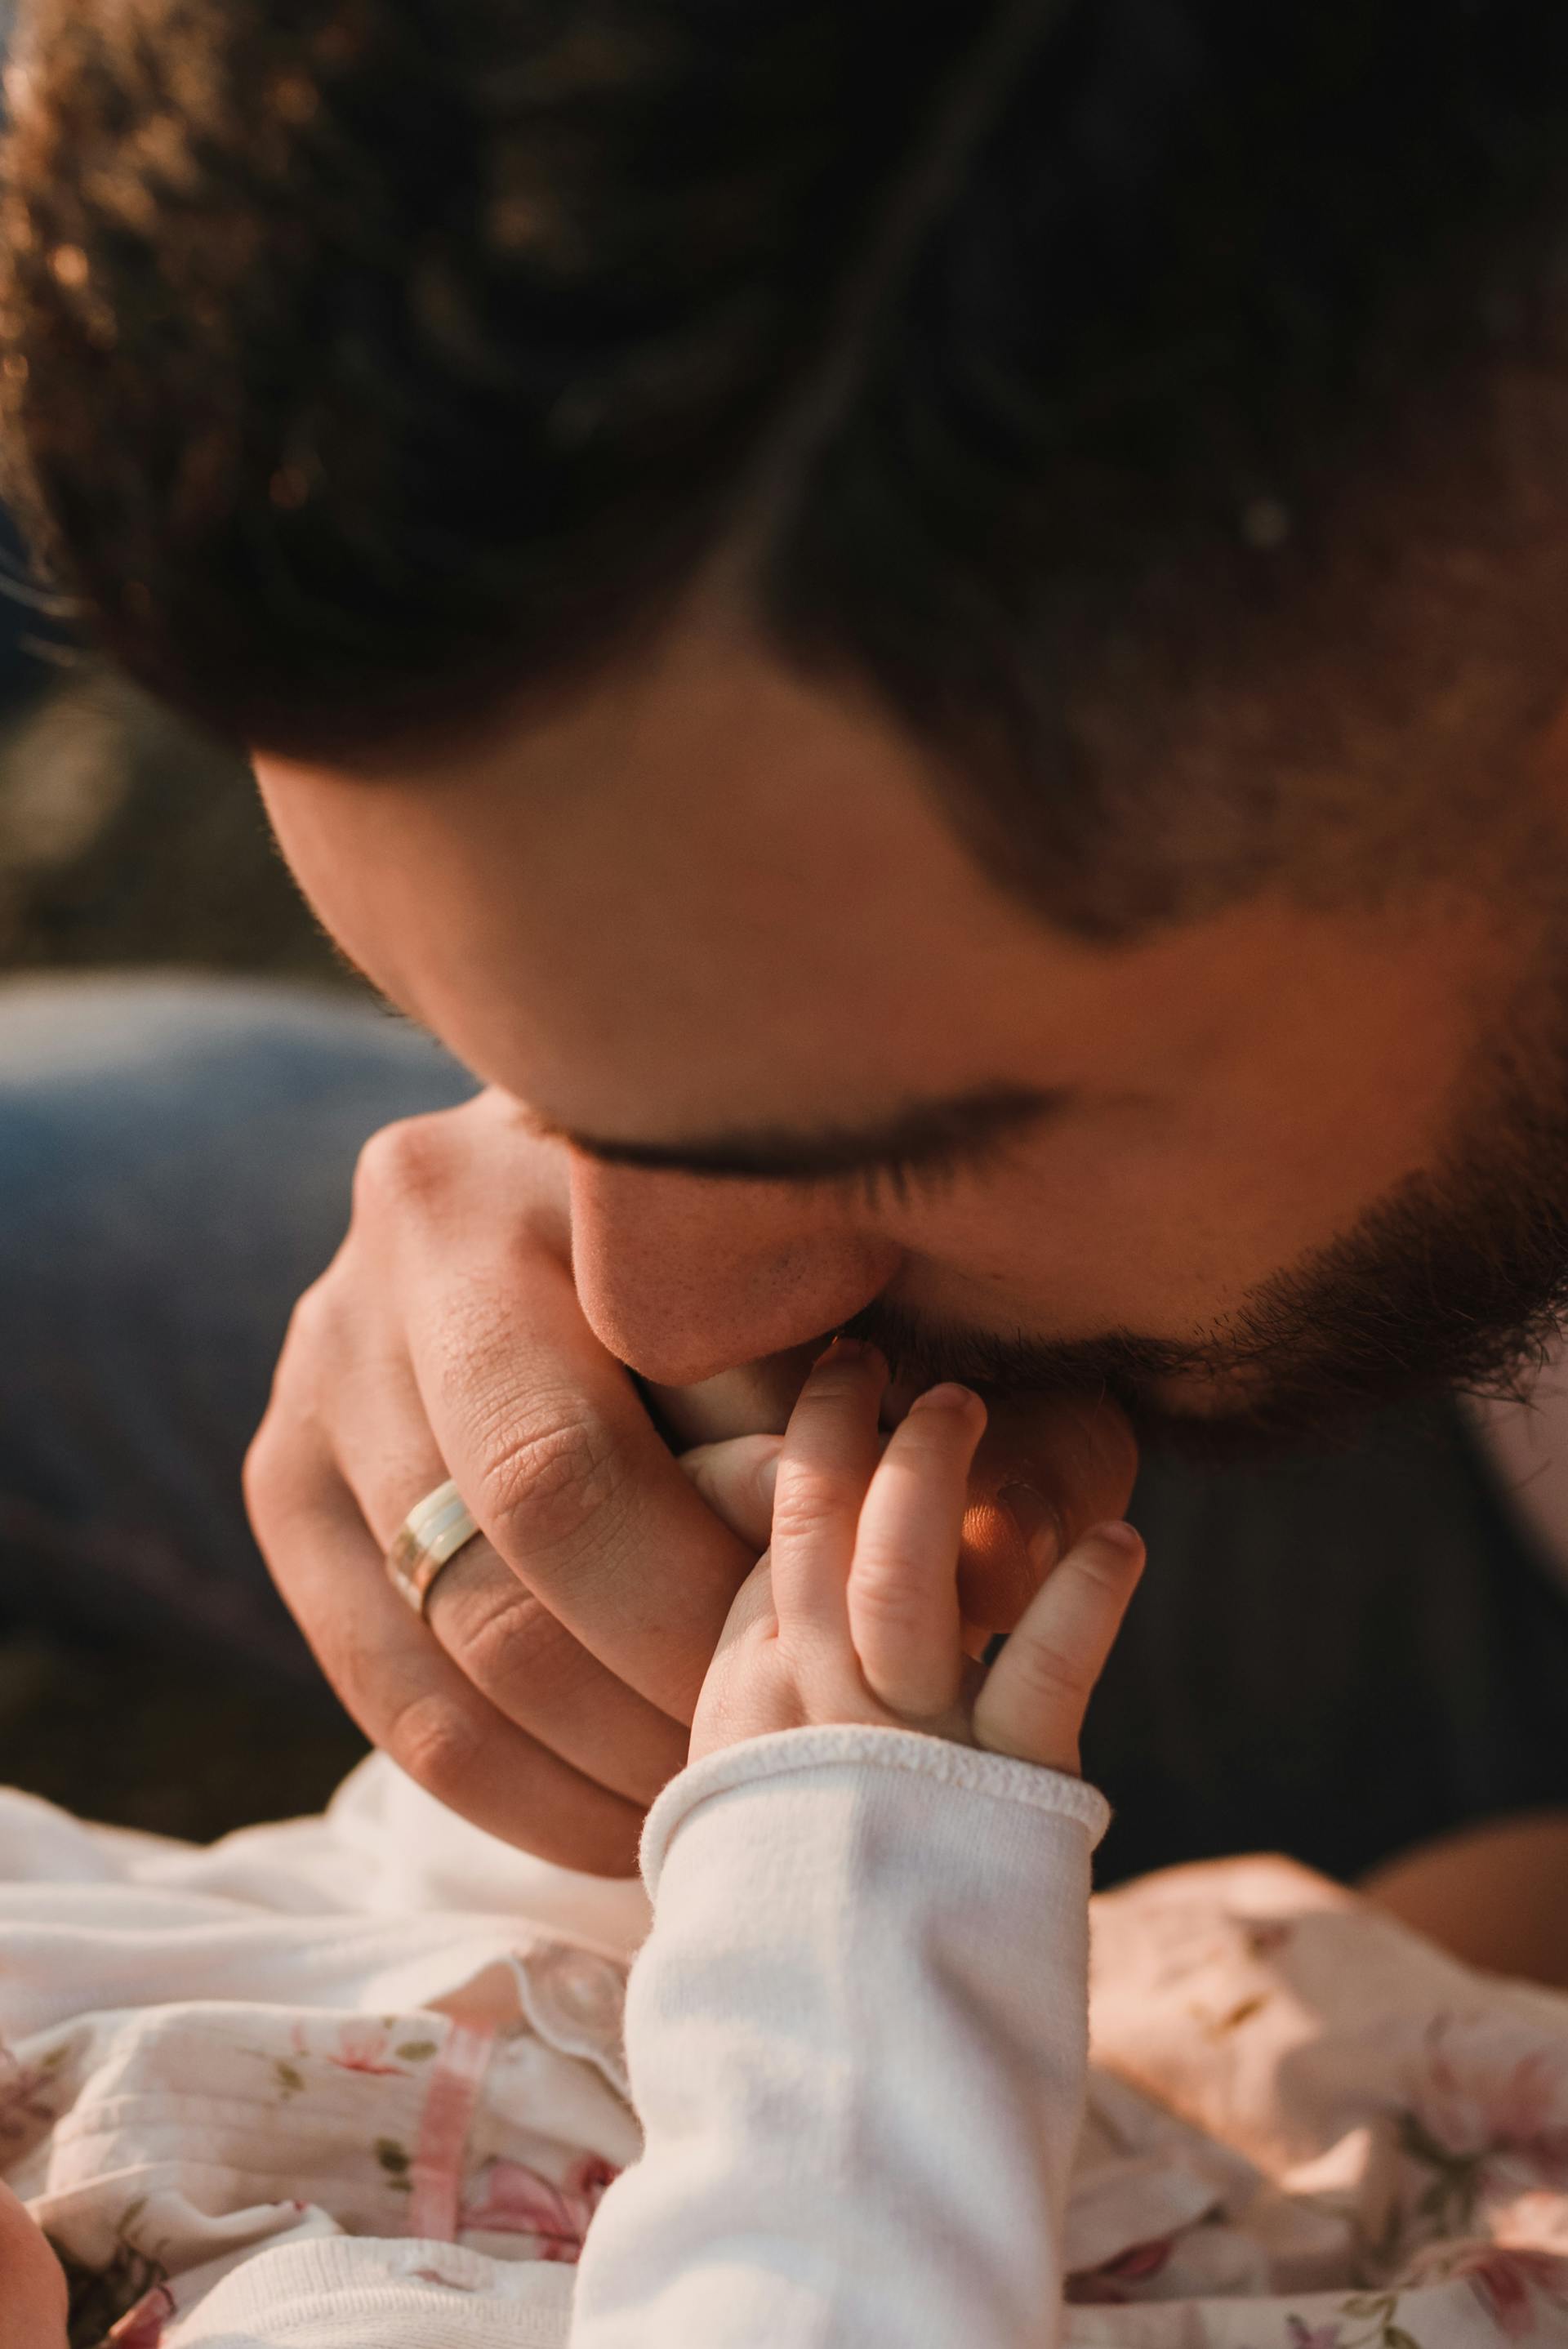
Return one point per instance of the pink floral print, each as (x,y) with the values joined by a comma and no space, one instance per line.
(1511,2285)
(509,2198)
(1303,2335)
(363,2047)
(1494,2088)
(1113,2283)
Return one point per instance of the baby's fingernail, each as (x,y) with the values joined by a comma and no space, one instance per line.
(1039,1524)
(947,1397)
(838,1350)
(1119,1534)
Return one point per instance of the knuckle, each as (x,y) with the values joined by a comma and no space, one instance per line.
(885,1595)
(810,1507)
(309,1326)
(258,1473)
(501,1633)
(270,1471)
(277,1479)
(1047,1676)
(436,1744)
(404,1166)
(549,1481)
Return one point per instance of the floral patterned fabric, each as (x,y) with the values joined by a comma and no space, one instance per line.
(1305,2128)
(1363,2144)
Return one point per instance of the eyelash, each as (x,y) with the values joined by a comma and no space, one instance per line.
(931,1176)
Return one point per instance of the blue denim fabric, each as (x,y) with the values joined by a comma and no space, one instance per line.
(176,1157)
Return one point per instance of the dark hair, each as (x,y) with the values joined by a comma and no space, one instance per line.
(367,362)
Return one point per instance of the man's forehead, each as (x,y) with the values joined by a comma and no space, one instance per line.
(738,948)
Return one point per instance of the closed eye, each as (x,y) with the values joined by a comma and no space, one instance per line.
(927,1148)
(913,1178)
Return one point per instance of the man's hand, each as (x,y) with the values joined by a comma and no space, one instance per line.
(548,1695)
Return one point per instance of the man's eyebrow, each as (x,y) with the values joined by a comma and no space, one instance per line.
(931,1134)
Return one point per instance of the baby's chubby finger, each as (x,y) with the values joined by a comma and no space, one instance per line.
(905,1617)
(830,1447)
(1036,1693)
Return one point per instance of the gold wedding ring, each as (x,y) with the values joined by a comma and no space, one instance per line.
(428,1539)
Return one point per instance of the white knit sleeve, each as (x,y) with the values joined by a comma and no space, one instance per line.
(857,2041)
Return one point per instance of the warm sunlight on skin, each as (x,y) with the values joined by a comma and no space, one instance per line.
(1490,1894)
(31,2286)
(709,902)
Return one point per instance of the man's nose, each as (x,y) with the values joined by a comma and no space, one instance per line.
(683,1279)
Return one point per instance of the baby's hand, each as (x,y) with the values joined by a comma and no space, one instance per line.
(853,1614)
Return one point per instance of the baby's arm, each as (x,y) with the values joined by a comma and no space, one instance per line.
(857,2031)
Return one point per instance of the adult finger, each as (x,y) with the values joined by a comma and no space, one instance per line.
(903,1588)
(531,1668)
(412,1700)
(737,1478)
(830,1448)
(459,1229)
(1036,1693)
(493,1627)
(548,1440)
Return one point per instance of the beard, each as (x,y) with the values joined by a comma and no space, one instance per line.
(1458,1280)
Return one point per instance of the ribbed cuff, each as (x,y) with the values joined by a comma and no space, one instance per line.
(967,1768)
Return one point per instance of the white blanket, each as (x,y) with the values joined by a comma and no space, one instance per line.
(373,2082)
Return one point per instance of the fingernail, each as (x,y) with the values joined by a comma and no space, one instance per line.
(947,1397)
(1039,1525)
(838,1350)
(1119,1534)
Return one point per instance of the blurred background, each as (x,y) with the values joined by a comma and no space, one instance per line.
(128,841)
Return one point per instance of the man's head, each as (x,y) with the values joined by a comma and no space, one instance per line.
(833,589)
